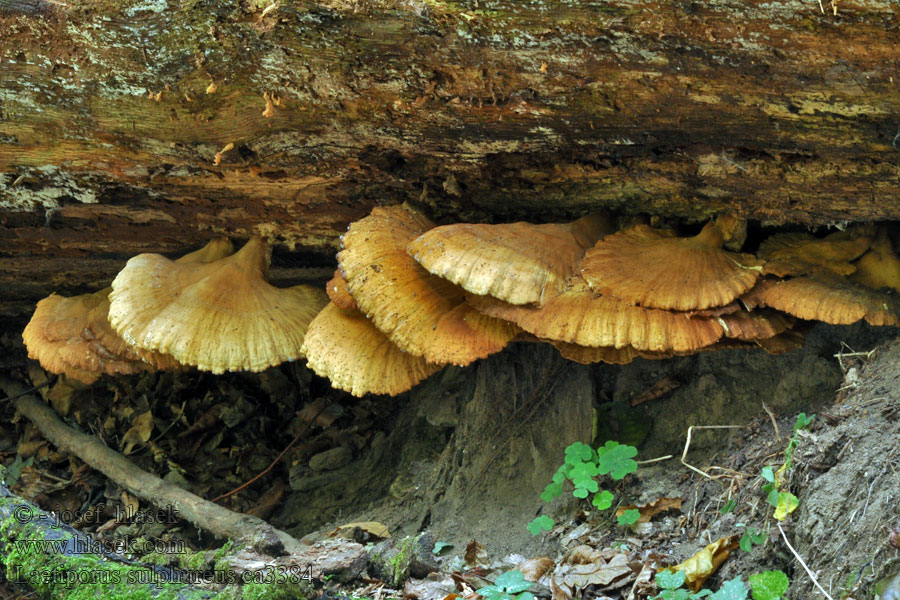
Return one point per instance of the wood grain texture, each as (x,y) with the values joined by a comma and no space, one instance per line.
(112,115)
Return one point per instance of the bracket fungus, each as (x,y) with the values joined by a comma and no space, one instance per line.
(879,267)
(61,336)
(419,312)
(221,316)
(518,263)
(789,254)
(581,316)
(344,347)
(645,267)
(72,336)
(828,297)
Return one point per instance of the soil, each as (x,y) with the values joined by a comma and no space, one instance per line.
(465,455)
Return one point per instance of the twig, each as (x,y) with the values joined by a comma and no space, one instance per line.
(774,422)
(219,521)
(29,390)
(653,460)
(687,444)
(803,564)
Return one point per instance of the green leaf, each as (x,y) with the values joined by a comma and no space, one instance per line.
(616,460)
(670,581)
(629,517)
(439,547)
(769,585)
(512,582)
(772,498)
(525,596)
(745,543)
(803,421)
(560,475)
(603,500)
(551,491)
(579,452)
(768,473)
(580,492)
(757,536)
(539,524)
(733,589)
(491,592)
(729,506)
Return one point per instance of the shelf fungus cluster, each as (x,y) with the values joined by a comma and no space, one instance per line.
(212,309)
(410,297)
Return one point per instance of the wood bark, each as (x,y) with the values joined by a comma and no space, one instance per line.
(115,118)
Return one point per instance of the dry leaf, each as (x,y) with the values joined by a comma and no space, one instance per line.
(139,433)
(475,554)
(648,511)
(600,573)
(132,504)
(373,528)
(703,564)
(535,568)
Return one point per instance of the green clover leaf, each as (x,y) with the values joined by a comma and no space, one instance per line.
(616,460)
(603,500)
(539,524)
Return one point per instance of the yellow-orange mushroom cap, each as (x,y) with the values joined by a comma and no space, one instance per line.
(419,312)
(788,254)
(58,336)
(73,336)
(345,348)
(645,267)
(587,355)
(830,298)
(515,262)
(221,316)
(879,267)
(581,316)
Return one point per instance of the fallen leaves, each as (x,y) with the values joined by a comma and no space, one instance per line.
(650,510)
(704,563)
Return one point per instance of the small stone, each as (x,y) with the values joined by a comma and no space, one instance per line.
(331,459)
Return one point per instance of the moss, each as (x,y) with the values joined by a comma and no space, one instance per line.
(83,577)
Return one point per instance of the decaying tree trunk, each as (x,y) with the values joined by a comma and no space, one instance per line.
(150,125)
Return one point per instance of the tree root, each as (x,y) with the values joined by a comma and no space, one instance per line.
(221,522)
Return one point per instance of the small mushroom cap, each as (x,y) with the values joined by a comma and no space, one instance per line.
(515,262)
(879,267)
(645,267)
(220,316)
(781,343)
(756,325)
(825,296)
(420,312)
(338,292)
(581,316)
(344,347)
(587,355)
(790,254)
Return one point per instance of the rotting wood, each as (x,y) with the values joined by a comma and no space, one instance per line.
(113,115)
